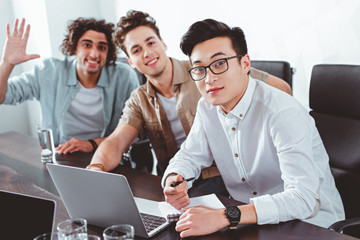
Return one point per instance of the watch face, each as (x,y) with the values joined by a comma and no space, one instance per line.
(232,212)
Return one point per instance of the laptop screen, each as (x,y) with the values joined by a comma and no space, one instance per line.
(23,216)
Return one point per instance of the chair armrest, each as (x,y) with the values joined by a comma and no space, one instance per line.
(341,225)
(143,142)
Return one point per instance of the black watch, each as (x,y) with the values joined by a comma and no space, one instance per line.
(233,213)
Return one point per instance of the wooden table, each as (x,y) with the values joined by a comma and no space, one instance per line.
(22,171)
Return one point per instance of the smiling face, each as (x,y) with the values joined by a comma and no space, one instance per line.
(146,51)
(91,53)
(225,89)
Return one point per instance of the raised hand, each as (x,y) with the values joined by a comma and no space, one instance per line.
(15,46)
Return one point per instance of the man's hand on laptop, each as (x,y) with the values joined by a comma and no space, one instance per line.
(176,196)
(96,167)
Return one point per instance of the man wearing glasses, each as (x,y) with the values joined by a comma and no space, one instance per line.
(164,107)
(265,144)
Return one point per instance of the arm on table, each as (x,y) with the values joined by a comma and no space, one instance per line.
(76,145)
(108,155)
(198,221)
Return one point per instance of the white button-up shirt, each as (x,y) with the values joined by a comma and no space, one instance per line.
(268,152)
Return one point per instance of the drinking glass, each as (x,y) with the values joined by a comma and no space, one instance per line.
(46,144)
(83,236)
(55,236)
(70,229)
(119,232)
(47,236)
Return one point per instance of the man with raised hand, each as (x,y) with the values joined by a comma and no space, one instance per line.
(81,98)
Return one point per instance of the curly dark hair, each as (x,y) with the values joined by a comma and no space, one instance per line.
(209,28)
(132,20)
(78,27)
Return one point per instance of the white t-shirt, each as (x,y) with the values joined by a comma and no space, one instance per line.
(169,105)
(84,118)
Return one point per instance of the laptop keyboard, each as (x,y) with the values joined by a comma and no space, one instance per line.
(151,221)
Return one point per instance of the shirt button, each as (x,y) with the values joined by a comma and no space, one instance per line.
(243,179)
(236,155)
(241,115)
(254,193)
(233,129)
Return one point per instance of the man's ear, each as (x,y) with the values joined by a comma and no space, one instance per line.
(245,63)
(130,62)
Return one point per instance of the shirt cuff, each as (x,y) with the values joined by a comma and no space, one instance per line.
(266,210)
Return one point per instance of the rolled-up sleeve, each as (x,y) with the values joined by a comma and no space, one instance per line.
(132,113)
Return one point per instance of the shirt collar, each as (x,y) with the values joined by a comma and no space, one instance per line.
(243,105)
(72,80)
(104,78)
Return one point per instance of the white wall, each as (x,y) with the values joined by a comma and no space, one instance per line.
(304,33)
(11,118)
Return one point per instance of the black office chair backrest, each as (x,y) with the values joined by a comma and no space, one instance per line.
(335,104)
(280,69)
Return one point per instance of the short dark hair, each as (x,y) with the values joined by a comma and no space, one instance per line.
(132,20)
(78,27)
(209,28)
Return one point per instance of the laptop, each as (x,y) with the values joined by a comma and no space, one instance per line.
(24,216)
(105,199)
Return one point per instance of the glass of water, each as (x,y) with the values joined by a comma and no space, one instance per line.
(71,229)
(56,236)
(46,144)
(119,232)
(47,236)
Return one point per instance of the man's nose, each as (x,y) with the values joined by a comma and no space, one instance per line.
(94,53)
(147,52)
(210,76)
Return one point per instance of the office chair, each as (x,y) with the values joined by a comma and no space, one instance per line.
(335,104)
(280,69)
(139,156)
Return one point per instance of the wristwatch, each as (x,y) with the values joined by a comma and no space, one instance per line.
(233,213)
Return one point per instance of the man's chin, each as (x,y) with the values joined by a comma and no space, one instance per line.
(213,102)
(93,71)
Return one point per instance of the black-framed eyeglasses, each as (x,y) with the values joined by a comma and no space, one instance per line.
(216,67)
